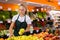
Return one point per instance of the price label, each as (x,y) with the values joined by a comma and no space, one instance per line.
(37,30)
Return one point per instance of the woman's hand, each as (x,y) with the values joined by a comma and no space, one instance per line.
(27,30)
(11,29)
(11,35)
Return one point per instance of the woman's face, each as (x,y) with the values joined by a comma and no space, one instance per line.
(22,10)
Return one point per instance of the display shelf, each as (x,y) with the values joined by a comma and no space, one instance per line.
(56,15)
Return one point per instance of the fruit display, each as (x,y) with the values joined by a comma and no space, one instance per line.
(41,15)
(1,39)
(2,27)
(39,36)
(43,35)
(4,32)
(6,14)
(38,18)
(30,37)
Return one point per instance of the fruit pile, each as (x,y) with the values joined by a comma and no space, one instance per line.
(4,32)
(30,37)
(41,15)
(46,36)
(1,39)
(40,36)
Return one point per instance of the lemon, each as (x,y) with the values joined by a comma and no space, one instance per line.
(21,31)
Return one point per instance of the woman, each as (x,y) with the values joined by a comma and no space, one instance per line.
(21,20)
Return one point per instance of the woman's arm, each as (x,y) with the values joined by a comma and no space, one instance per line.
(11,29)
(28,20)
(28,27)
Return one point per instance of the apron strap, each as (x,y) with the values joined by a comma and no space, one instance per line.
(25,19)
(18,17)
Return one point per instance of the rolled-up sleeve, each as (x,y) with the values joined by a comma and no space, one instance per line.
(28,20)
(14,18)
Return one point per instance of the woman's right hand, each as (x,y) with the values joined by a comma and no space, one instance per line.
(11,29)
(11,35)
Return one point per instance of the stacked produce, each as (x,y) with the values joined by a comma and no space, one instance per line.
(42,18)
(39,36)
(46,36)
(41,15)
(30,37)
(1,39)
(6,14)
(4,32)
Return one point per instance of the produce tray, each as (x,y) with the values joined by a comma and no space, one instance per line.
(34,32)
(26,33)
(4,36)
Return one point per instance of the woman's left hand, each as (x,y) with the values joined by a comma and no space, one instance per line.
(26,30)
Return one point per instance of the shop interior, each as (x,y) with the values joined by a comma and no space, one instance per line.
(38,11)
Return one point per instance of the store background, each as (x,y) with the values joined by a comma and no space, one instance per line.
(39,5)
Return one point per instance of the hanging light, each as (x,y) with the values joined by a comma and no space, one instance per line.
(21,0)
(44,9)
(37,9)
(6,0)
(1,7)
(32,10)
(41,9)
(18,4)
(27,10)
(16,10)
(9,9)
(59,3)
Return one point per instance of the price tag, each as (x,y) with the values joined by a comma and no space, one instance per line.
(37,30)
(1,21)
(42,19)
(31,31)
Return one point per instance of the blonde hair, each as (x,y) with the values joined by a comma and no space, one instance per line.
(23,5)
